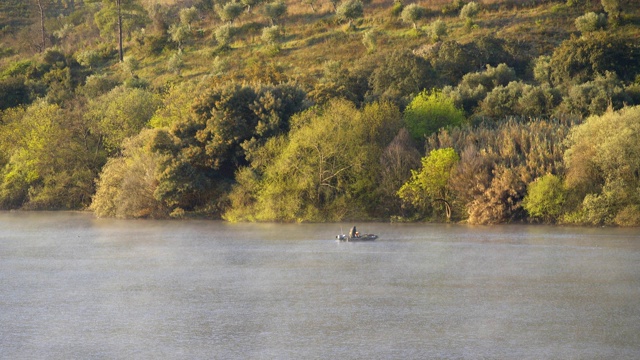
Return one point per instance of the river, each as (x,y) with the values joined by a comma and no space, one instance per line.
(76,287)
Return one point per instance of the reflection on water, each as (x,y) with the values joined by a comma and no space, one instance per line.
(72,286)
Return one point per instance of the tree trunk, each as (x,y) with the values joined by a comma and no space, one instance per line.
(120,51)
(44,37)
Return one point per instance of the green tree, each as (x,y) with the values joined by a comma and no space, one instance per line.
(438,29)
(578,60)
(412,13)
(127,183)
(50,159)
(591,22)
(119,17)
(224,34)
(324,169)
(613,8)
(430,111)
(121,113)
(545,198)
(275,10)
(468,12)
(595,97)
(603,163)
(13,92)
(431,184)
(350,10)
(179,34)
(272,35)
(230,11)
(396,162)
(188,16)
(401,75)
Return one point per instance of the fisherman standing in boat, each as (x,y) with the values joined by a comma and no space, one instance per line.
(353,233)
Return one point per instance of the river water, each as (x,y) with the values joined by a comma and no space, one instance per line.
(76,287)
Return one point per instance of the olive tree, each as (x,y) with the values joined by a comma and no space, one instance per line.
(350,10)
(412,13)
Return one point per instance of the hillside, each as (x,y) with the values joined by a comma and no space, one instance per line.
(316,110)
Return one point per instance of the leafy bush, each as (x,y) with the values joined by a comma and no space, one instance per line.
(502,100)
(578,60)
(402,74)
(224,34)
(545,198)
(595,97)
(438,29)
(272,34)
(603,166)
(350,10)
(428,112)
(412,13)
(14,92)
(88,58)
(469,10)
(275,10)
(590,22)
(127,184)
(431,185)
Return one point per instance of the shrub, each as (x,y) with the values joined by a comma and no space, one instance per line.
(430,111)
(397,8)
(545,198)
(590,22)
(272,34)
(438,29)
(224,34)
(88,58)
(369,39)
(350,10)
(412,13)
(469,11)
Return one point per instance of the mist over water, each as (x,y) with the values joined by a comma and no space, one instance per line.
(76,287)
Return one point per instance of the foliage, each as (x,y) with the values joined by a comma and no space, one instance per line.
(121,113)
(51,160)
(14,92)
(275,10)
(370,40)
(431,184)
(603,165)
(230,11)
(179,34)
(350,10)
(497,161)
(590,22)
(545,198)
(323,170)
(401,75)
(469,10)
(438,29)
(272,34)
(428,112)
(224,34)
(412,13)
(595,97)
(188,16)
(127,184)
(474,87)
(134,17)
(578,60)
(613,8)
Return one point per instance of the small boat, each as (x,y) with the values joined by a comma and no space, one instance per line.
(360,237)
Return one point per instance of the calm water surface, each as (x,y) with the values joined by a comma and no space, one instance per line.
(76,287)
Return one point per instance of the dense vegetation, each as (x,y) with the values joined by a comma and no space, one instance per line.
(442,110)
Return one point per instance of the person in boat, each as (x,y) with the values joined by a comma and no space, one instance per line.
(353,233)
